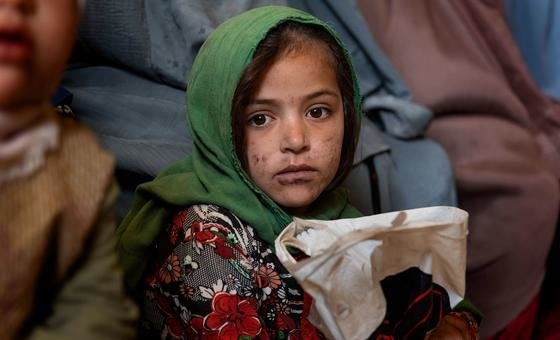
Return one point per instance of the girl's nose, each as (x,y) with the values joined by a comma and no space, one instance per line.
(295,137)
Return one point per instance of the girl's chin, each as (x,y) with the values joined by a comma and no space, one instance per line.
(297,202)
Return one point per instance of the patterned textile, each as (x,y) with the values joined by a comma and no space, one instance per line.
(213,277)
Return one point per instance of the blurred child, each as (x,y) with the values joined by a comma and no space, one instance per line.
(59,277)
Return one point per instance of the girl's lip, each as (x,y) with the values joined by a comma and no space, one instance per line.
(296,168)
(15,45)
(295,174)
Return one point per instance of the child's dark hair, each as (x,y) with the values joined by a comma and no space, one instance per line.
(295,37)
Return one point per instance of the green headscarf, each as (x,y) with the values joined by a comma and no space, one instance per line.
(212,174)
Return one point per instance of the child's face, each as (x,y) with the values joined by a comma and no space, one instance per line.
(36,38)
(294,129)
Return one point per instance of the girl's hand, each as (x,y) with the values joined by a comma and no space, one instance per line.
(455,325)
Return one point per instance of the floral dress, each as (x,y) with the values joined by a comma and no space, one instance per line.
(216,279)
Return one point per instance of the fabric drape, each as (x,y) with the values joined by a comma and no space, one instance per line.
(460,60)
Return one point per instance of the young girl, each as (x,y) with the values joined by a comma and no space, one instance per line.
(59,276)
(274,113)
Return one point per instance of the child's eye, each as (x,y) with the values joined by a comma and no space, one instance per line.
(259,119)
(318,112)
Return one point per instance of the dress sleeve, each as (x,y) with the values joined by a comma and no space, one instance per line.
(214,277)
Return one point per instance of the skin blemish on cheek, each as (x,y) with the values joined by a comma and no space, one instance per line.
(256,159)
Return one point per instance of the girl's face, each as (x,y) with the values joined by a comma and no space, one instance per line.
(294,128)
(36,38)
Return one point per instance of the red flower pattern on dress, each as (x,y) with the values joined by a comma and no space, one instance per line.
(267,277)
(151,281)
(186,290)
(171,269)
(231,311)
(284,322)
(163,304)
(224,252)
(384,337)
(232,317)
(224,249)
(201,233)
(177,225)
(175,327)
(295,334)
(198,331)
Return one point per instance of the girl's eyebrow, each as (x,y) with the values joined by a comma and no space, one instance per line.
(320,93)
(316,94)
(263,101)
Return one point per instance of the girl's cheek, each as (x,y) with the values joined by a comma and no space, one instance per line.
(330,148)
(257,162)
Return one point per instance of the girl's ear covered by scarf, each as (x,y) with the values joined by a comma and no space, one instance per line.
(213,174)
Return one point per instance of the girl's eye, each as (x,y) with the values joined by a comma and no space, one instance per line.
(318,112)
(259,120)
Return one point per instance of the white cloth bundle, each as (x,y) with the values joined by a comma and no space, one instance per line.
(349,257)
